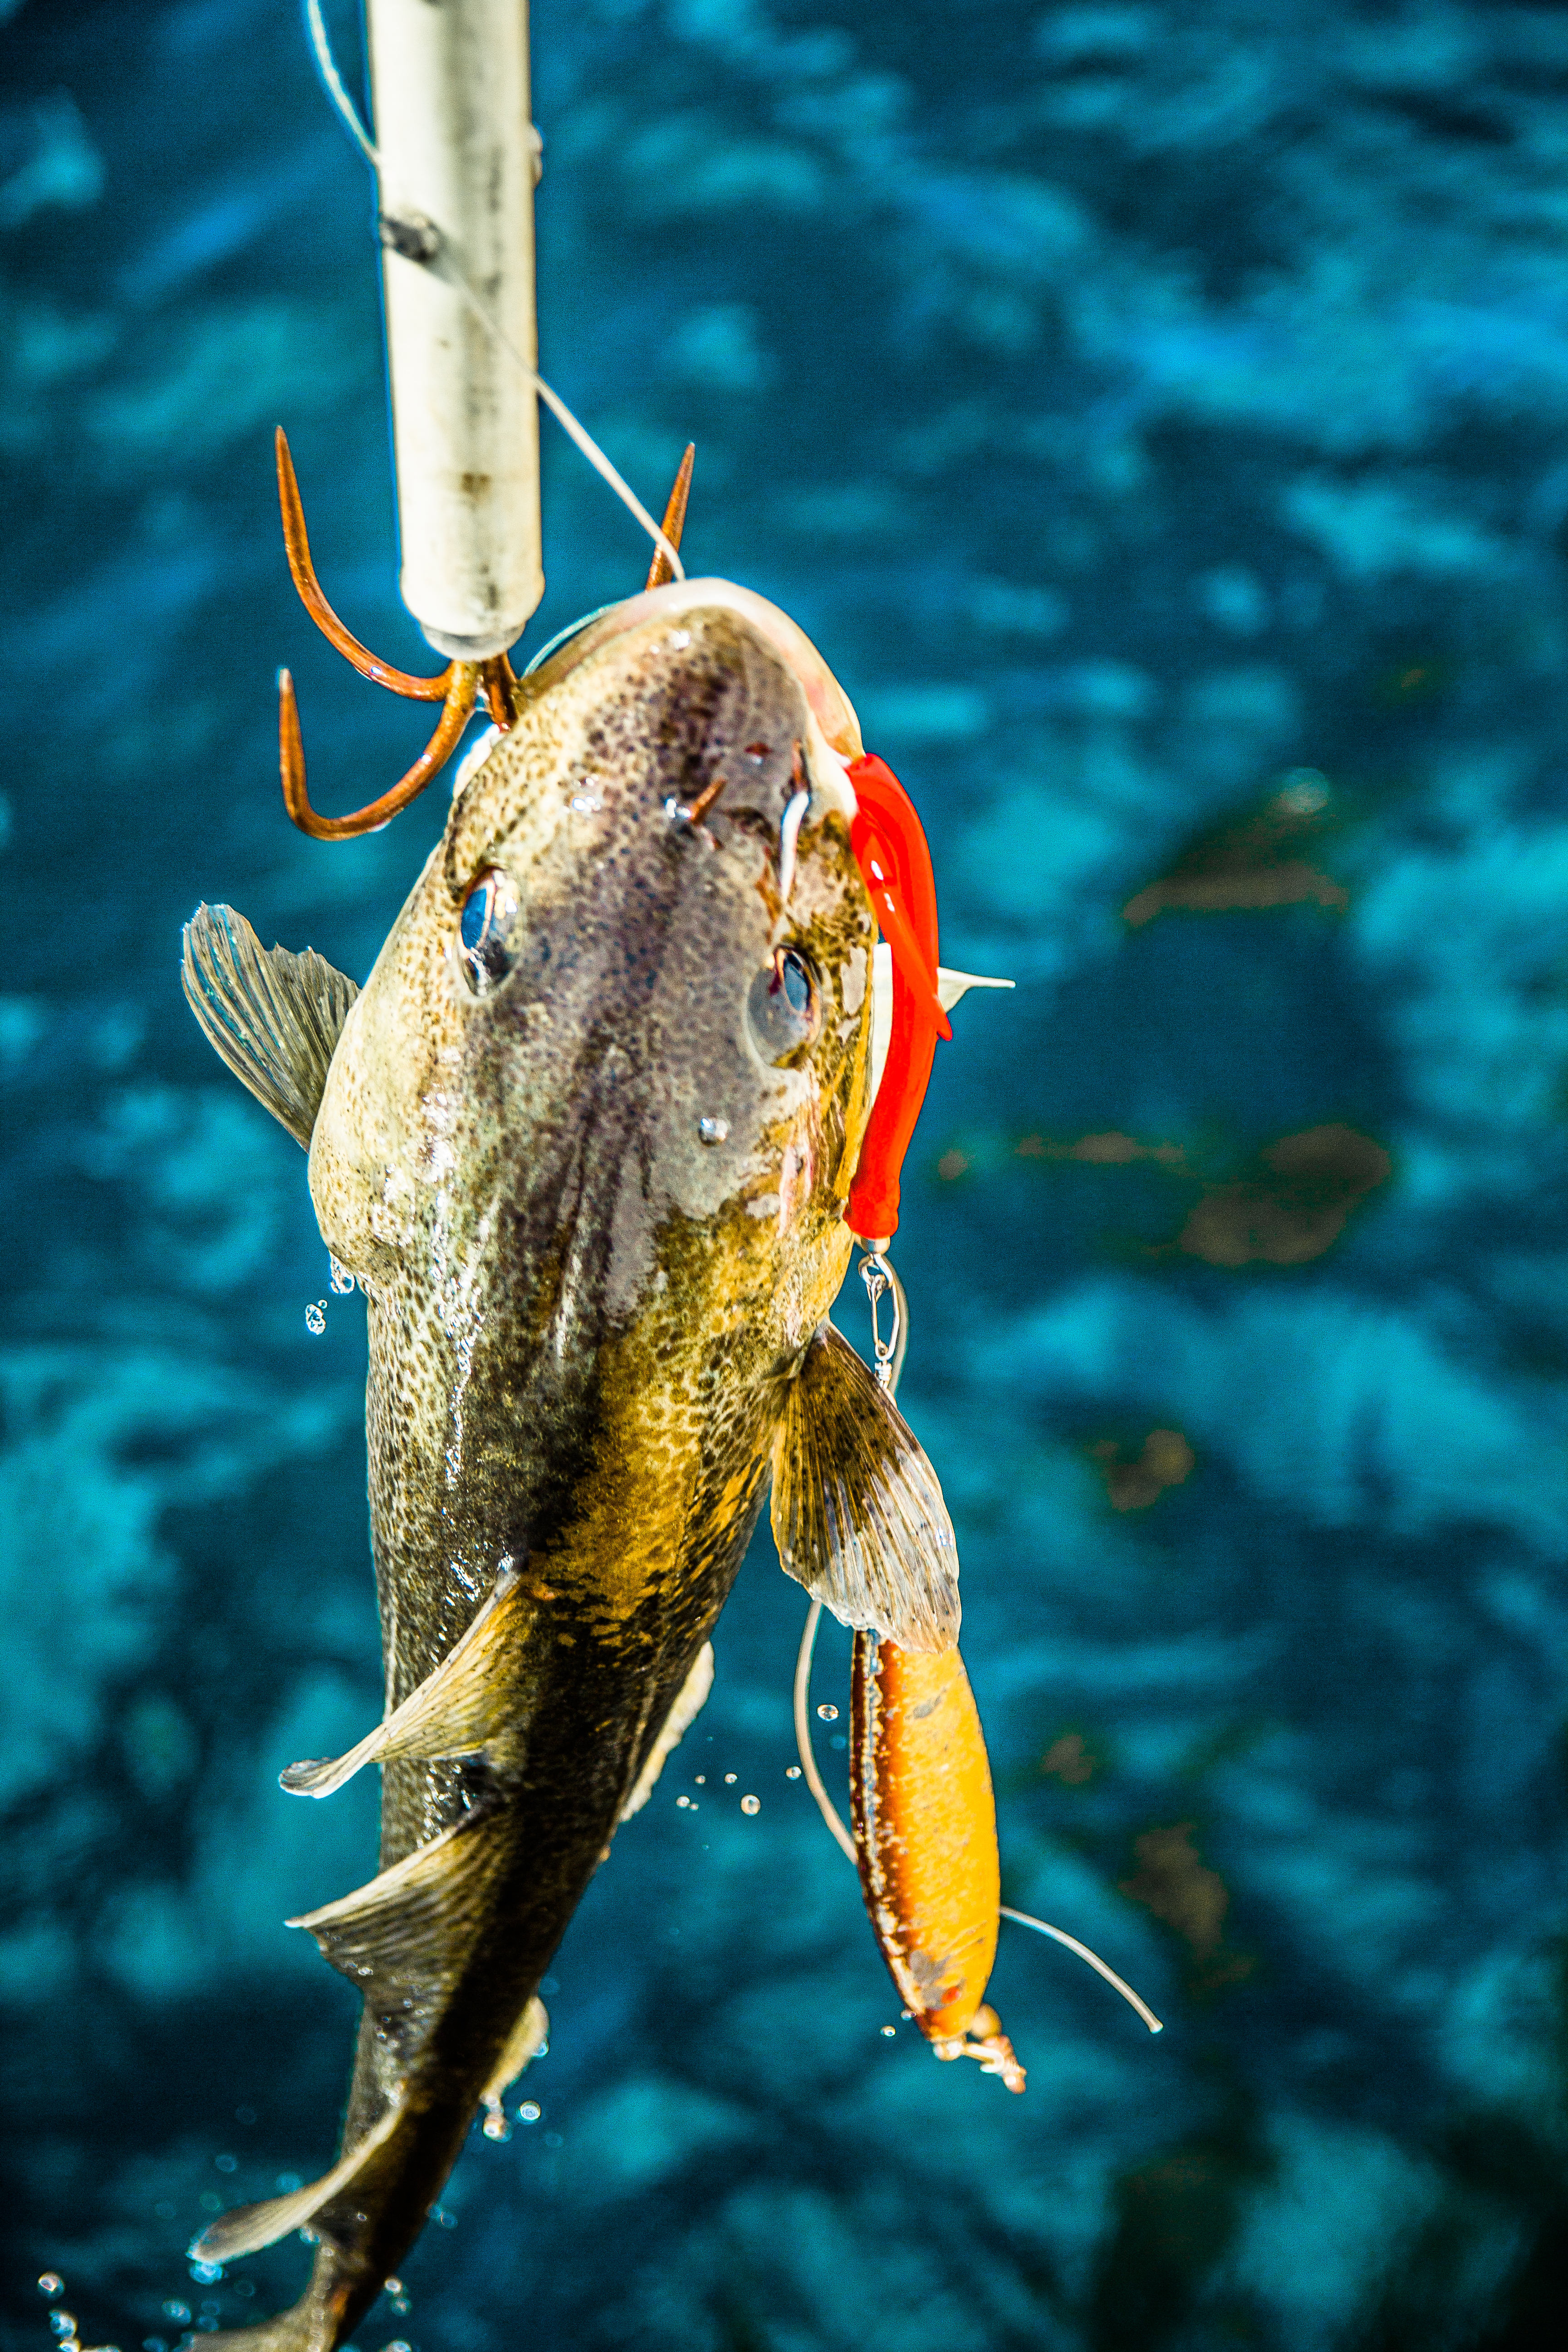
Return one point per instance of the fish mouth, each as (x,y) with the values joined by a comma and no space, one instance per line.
(831,711)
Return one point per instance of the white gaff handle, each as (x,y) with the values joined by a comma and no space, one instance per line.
(456,150)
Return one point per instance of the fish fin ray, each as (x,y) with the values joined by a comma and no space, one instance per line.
(687,1704)
(273,1016)
(857,1511)
(405,1937)
(457,1710)
(245,2228)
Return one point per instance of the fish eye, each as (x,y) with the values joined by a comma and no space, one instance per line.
(783,1010)
(487,933)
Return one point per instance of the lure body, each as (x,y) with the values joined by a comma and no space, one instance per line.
(925,1839)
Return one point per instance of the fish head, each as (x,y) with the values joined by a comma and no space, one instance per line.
(624,1018)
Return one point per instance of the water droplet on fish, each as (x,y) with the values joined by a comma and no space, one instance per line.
(51,2282)
(792,1771)
(828,1714)
(731,1778)
(342,1280)
(529,2112)
(888,2031)
(713,1130)
(316,1318)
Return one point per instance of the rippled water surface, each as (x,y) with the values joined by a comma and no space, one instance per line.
(1156,413)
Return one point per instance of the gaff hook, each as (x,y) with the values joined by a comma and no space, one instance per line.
(456,688)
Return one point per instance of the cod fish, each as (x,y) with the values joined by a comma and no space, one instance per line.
(586,1139)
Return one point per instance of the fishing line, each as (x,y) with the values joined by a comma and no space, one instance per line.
(429,247)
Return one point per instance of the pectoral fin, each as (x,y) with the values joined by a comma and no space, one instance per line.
(273,1016)
(457,1711)
(858,1513)
(690,1701)
(248,2228)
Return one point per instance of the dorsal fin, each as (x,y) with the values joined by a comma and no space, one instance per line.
(245,2228)
(689,1702)
(457,1711)
(858,1513)
(273,1016)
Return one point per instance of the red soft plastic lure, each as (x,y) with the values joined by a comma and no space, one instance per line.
(890,850)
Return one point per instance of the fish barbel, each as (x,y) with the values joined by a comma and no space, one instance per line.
(586,1139)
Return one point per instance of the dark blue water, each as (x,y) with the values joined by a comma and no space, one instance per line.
(1157,414)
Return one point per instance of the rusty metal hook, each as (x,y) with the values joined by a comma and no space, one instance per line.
(659,571)
(456,688)
(463,681)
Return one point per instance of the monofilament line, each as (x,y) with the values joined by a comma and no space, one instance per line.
(1043,1927)
(825,1803)
(446,267)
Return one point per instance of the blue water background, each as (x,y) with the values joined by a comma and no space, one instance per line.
(1157,414)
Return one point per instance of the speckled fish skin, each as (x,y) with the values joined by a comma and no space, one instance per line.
(580,1312)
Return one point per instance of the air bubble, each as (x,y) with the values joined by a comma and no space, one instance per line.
(51,2282)
(683,1802)
(177,2311)
(713,1130)
(529,2112)
(342,1280)
(63,2321)
(731,1778)
(751,1804)
(827,1712)
(495,2124)
(226,2163)
(701,1779)
(888,2031)
(316,1318)
(205,2273)
(792,1771)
